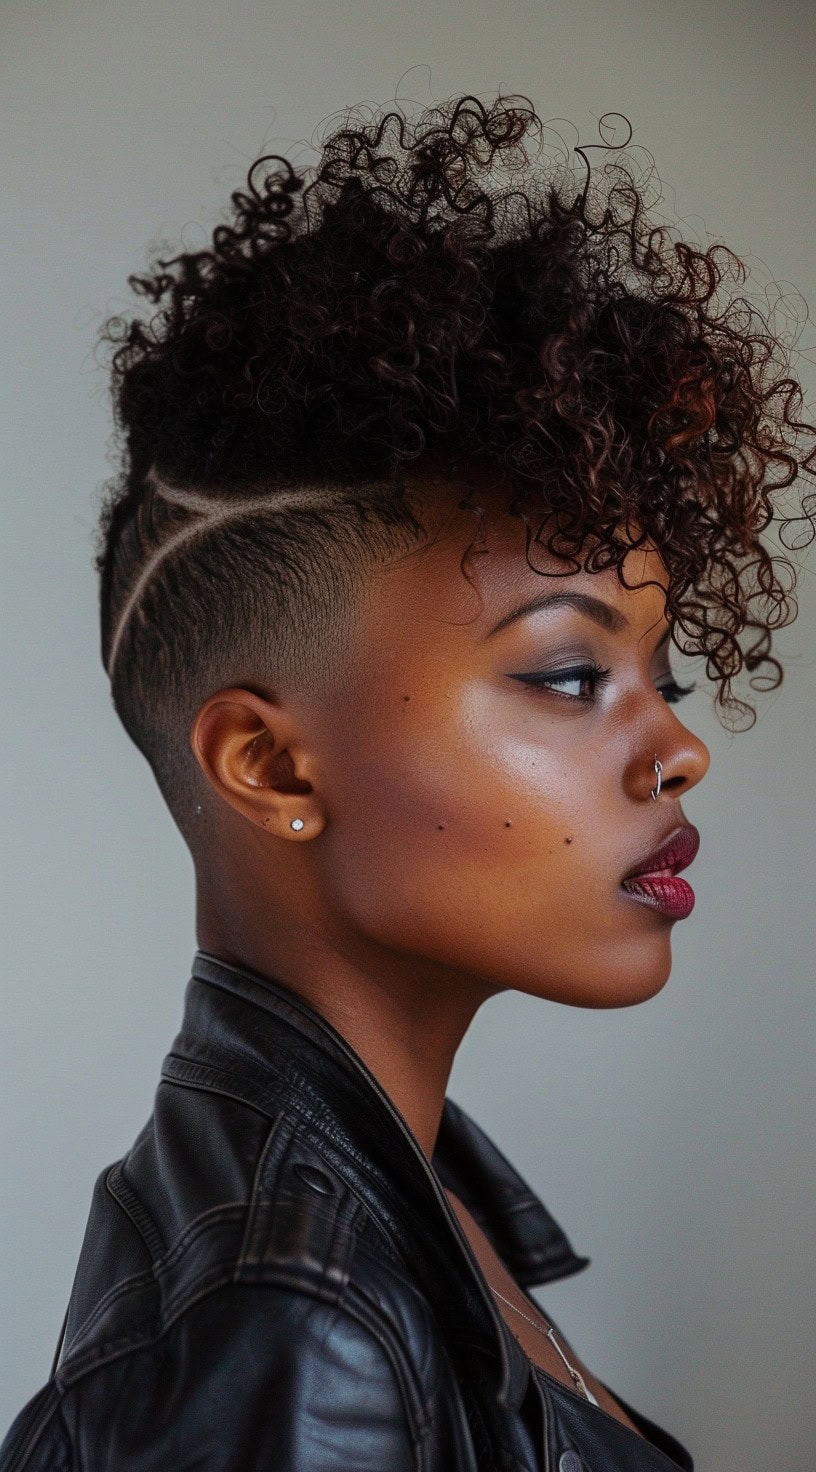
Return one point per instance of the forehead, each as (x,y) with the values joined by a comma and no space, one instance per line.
(428,590)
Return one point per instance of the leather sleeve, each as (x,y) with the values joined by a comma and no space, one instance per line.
(37,1440)
(248,1379)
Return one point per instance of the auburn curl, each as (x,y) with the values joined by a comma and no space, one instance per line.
(449,284)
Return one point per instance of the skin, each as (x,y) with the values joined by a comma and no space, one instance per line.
(464,832)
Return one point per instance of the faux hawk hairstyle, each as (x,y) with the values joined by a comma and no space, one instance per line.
(441,284)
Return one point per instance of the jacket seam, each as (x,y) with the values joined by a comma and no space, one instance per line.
(73,1461)
(313,1123)
(120,1190)
(51,1408)
(214,1275)
(353,1302)
(266,1111)
(147,1332)
(379,1325)
(193,1230)
(299,1118)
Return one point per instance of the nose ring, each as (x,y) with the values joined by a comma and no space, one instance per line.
(655,791)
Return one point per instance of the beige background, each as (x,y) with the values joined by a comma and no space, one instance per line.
(674,1141)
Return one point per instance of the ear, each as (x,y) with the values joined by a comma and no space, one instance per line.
(251,753)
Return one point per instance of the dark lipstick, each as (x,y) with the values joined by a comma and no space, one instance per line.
(654,880)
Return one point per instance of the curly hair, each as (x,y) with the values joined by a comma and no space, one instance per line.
(436,285)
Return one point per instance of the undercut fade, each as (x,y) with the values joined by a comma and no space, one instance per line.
(443,286)
(255,586)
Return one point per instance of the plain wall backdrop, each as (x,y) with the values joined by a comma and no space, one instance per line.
(674,1141)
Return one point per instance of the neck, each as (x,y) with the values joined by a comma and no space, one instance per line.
(403,1016)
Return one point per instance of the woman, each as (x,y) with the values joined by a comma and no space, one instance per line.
(425,464)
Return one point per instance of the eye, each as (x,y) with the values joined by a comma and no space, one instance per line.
(558,680)
(595,675)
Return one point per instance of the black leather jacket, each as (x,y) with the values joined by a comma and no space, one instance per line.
(273,1280)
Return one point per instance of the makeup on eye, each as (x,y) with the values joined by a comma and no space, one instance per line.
(599,675)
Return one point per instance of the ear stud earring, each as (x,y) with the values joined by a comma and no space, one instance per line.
(297,824)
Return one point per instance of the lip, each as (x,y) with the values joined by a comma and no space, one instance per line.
(653,880)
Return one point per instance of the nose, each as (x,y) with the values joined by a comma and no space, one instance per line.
(684,760)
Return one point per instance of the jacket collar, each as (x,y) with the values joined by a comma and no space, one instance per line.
(270,1043)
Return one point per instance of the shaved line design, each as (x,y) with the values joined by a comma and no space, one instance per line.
(213,511)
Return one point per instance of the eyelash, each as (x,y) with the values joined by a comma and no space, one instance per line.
(671,691)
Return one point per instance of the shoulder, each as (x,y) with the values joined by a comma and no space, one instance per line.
(253,1375)
(274,1329)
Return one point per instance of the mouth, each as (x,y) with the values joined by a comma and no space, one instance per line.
(654,879)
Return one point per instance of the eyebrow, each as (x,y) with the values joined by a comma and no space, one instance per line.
(601,613)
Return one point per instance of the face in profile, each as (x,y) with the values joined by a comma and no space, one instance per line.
(487,780)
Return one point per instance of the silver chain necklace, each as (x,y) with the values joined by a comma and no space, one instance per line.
(575,1375)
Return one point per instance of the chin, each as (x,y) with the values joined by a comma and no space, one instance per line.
(622,983)
(639,982)
(629,995)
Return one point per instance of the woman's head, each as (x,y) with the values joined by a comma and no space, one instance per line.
(472,794)
(439,356)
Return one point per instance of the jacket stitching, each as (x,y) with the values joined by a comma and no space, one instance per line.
(371,1317)
(226,1210)
(276,1141)
(364,1308)
(119,1187)
(49,1407)
(205,1081)
(72,1465)
(325,1128)
(265,1110)
(208,1219)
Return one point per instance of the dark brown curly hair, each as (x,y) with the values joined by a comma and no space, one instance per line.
(437,285)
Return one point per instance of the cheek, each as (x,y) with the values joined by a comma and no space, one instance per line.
(489,844)
(456,830)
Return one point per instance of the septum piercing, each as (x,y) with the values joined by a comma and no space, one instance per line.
(297,824)
(655,791)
